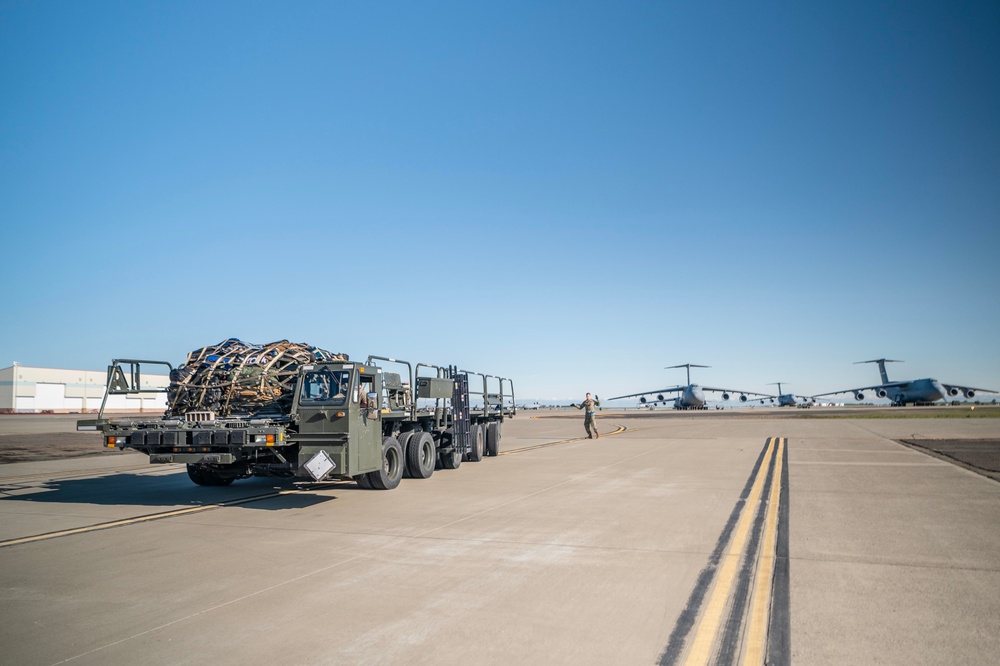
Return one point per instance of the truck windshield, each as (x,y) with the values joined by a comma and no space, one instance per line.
(330,387)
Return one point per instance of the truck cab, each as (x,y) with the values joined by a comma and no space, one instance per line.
(338,409)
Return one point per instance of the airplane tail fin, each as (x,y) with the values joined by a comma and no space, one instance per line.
(688,366)
(881,367)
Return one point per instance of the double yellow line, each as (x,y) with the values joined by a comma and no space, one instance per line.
(703,645)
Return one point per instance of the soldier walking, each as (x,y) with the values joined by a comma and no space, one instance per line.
(589,406)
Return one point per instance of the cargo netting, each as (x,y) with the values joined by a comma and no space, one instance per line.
(238,378)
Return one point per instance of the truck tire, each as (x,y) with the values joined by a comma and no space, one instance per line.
(493,439)
(477,436)
(421,455)
(388,475)
(362,480)
(451,459)
(404,442)
(204,475)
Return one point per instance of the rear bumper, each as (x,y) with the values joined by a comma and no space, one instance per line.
(193,458)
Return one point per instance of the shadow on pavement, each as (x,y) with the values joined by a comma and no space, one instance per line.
(173,490)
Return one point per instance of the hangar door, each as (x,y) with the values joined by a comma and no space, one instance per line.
(50,396)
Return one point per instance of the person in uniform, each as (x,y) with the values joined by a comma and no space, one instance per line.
(589,406)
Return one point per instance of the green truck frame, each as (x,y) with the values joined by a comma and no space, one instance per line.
(348,420)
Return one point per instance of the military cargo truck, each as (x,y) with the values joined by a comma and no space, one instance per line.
(345,420)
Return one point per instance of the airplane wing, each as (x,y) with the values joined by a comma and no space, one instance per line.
(738,392)
(636,395)
(864,388)
(966,389)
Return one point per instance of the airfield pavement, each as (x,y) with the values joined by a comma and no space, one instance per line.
(681,538)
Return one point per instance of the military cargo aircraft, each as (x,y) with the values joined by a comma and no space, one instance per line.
(789,399)
(917,391)
(691,396)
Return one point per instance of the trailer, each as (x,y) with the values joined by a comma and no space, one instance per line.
(346,420)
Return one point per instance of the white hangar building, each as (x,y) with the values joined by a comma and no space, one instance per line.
(25,389)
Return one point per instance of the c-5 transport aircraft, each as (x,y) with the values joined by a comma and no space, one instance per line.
(916,390)
(691,396)
(789,399)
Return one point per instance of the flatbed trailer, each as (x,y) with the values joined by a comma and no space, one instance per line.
(347,420)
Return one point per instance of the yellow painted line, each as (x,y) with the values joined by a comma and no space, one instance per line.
(760,609)
(142,519)
(711,620)
(620,429)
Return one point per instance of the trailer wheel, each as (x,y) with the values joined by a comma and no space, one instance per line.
(421,455)
(388,475)
(493,439)
(204,475)
(404,442)
(362,480)
(475,453)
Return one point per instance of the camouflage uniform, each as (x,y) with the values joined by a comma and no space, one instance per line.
(588,406)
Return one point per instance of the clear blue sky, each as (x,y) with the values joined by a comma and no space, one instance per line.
(570,194)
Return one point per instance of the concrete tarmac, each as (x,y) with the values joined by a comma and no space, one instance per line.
(659,544)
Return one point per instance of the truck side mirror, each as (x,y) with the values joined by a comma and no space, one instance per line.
(373,407)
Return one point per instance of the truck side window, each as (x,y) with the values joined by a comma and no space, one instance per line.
(367,386)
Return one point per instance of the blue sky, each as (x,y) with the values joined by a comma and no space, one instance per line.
(574,195)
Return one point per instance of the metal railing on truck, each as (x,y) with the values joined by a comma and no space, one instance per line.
(412,406)
(120,383)
(499,399)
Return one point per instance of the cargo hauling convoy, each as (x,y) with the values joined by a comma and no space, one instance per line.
(294,411)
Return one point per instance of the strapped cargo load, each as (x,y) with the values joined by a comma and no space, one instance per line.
(235,377)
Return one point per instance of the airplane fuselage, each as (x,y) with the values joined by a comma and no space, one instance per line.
(692,397)
(792,400)
(918,390)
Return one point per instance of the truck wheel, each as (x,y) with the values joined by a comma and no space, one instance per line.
(388,475)
(493,439)
(475,453)
(204,475)
(421,455)
(362,480)
(404,442)
(451,459)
